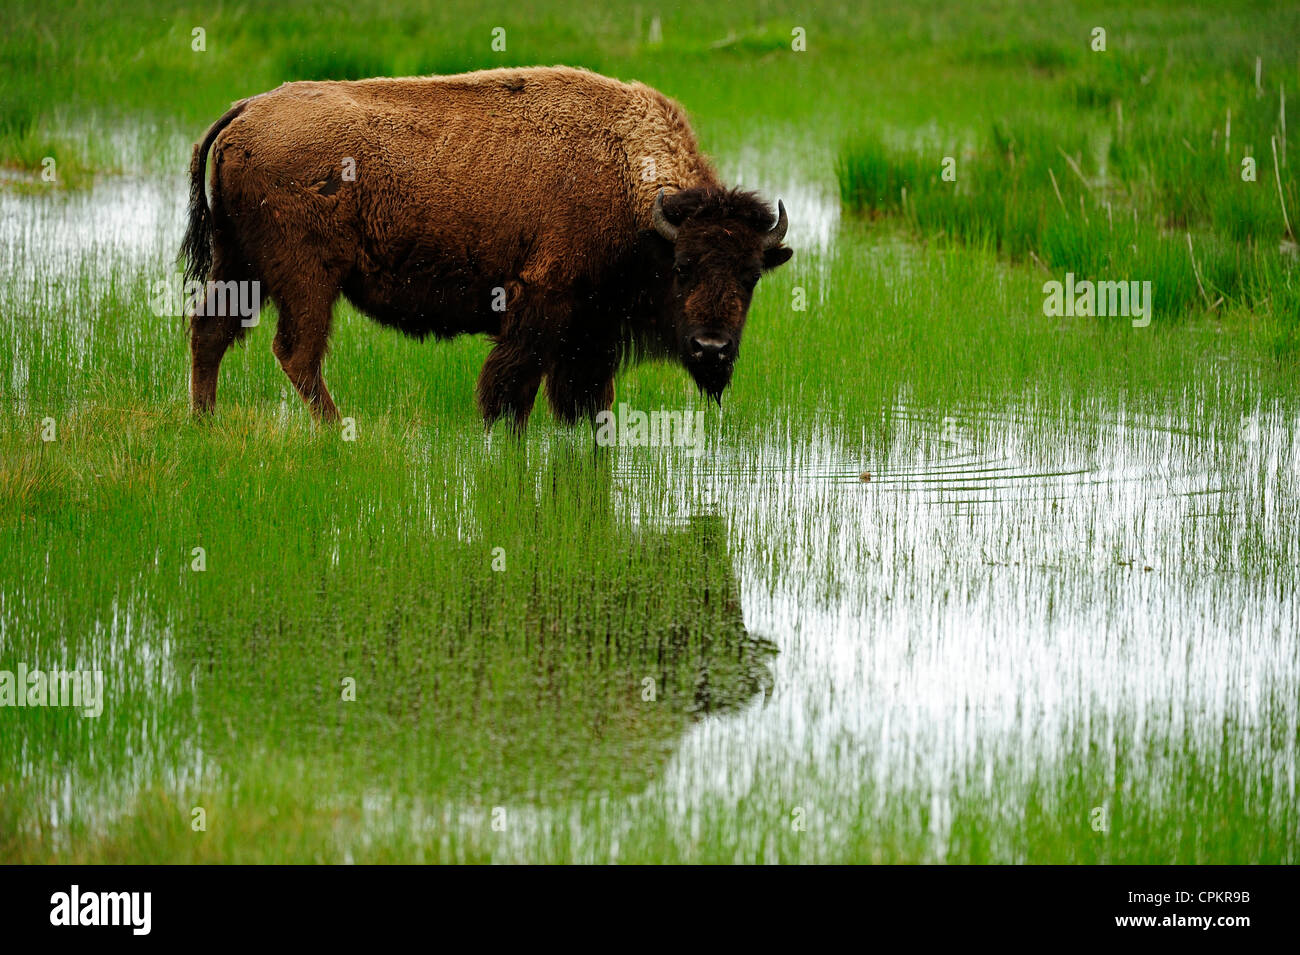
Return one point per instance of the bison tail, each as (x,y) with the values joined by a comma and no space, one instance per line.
(196,248)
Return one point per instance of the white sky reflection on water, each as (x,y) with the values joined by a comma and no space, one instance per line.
(993,607)
(121,223)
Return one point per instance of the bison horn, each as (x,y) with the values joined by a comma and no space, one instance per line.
(773,238)
(662,225)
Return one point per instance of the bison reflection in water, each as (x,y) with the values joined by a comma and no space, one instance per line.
(728,663)
(569,216)
(533,682)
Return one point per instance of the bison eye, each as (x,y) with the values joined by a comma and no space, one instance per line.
(749,280)
(682,270)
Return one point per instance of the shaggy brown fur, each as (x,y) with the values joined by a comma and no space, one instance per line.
(516,203)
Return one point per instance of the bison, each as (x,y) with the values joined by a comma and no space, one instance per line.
(569,216)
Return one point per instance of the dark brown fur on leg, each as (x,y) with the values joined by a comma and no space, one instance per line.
(582,385)
(301,338)
(513,372)
(508,384)
(209,339)
(211,334)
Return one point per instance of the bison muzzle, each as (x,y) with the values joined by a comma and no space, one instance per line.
(568,216)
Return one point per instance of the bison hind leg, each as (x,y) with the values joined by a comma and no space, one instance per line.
(214,325)
(306,307)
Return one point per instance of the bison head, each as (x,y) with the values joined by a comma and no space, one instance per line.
(722,242)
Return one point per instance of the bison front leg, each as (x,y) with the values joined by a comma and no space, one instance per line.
(508,383)
(581,384)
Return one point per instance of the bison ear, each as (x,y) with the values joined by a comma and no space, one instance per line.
(681,205)
(778,256)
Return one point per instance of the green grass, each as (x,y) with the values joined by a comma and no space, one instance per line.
(958,660)
(1033,192)
(1152,153)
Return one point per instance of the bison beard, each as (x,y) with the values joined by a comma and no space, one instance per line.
(566,215)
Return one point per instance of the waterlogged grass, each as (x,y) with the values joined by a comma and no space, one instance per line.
(952,580)
(970,650)
(1183,181)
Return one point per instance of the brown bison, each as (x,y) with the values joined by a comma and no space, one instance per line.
(567,215)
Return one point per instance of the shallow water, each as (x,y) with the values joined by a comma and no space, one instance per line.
(1011,596)
(1016,601)
(51,240)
